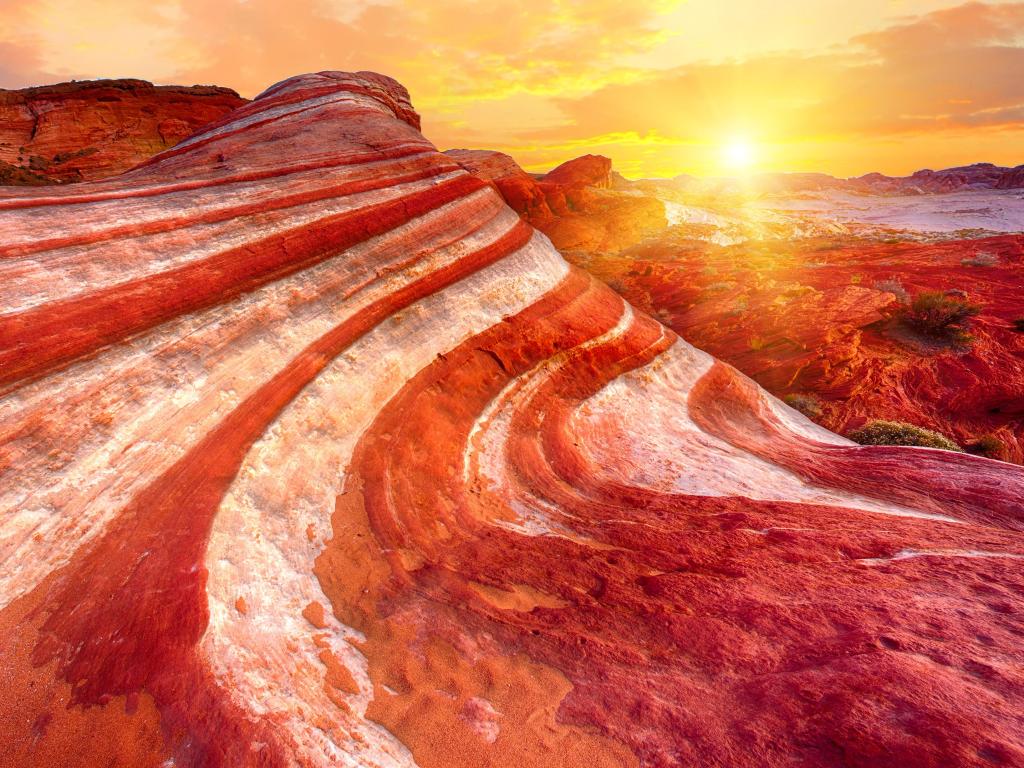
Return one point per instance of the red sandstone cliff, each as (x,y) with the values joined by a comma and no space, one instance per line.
(313,452)
(88,130)
(573,204)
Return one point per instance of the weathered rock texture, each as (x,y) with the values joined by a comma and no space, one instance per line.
(89,130)
(573,204)
(807,311)
(315,454)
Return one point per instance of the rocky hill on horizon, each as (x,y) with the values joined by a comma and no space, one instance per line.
(83,130)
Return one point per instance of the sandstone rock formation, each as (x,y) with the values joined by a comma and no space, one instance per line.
(813,315)
(519,189)
(88,130)
(572,204)
(582,172)
(820,317)
(314,453)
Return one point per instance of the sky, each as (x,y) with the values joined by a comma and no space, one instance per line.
(663,87)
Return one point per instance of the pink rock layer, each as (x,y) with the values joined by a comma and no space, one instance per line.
(314,453)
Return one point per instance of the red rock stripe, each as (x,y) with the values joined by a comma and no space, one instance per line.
(444,401)
(156,546)
(651,624)
(350,110)
(728,405)
(223,214)
(558,398)
(44,338)
(385,153)
(267,102)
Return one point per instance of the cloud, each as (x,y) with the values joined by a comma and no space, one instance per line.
(19,65)
(946,71)
(949,30)
(950,68)
(536,79)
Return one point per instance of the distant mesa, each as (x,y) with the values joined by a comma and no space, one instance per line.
(92,129)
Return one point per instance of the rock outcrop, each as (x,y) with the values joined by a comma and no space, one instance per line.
(88,130)
(519,189)
(582,172)
(315,453)
(927,181)
(819,317)
(573,204)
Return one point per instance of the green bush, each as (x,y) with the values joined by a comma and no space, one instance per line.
(941,315)
(901,433)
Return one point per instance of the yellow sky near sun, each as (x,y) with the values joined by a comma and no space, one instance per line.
(663,87)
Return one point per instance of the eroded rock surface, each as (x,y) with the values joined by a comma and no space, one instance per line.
(804,293)
(315,453)
(89,130)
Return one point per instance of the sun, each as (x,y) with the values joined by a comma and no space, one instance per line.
(738,154)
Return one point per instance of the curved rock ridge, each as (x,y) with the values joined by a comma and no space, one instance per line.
(78,131)
(315,454)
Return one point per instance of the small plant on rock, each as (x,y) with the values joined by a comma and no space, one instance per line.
(808,404)
(989,446)
(941,315)
(981,259)
(895,287)
(901,433)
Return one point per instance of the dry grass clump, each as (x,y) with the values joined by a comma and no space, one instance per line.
(981,259)
(941,315)
(901,433)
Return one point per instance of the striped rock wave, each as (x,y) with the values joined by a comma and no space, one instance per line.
(313,453)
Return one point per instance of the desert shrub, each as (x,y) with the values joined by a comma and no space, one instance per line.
(988,445)
(981,259)
(808,404)
(738,308)
(856,279)
(894,287)
(901,433)
(719,287)
(942,315)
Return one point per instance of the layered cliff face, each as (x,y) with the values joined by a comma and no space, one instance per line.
(314,453)
(89,130)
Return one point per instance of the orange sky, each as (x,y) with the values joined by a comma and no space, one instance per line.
(661,86)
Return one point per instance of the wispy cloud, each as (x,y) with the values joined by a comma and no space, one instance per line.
(539,79)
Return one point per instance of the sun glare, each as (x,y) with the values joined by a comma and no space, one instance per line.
(738,155)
